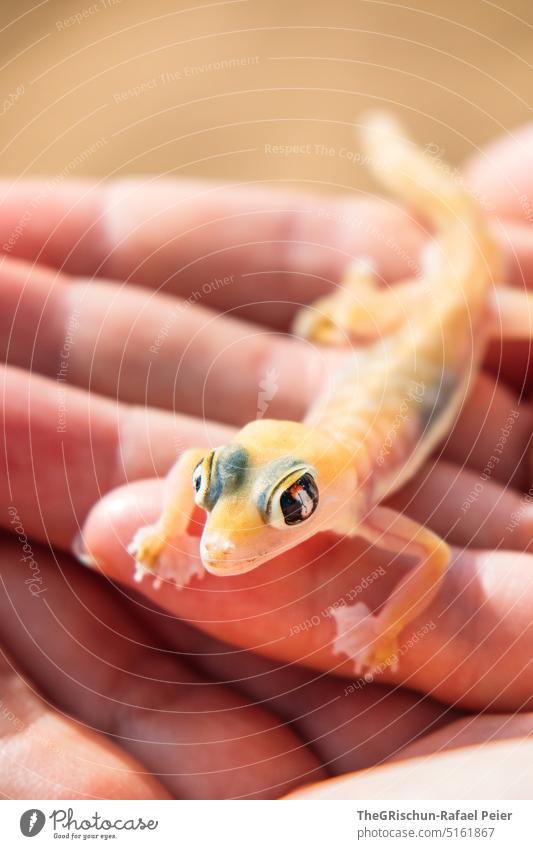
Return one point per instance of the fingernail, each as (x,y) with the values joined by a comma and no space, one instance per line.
(80,552)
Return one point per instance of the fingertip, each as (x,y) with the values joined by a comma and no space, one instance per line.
(500,175)
(79,550)
(110,526)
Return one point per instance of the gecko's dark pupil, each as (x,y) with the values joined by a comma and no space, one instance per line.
(299,500)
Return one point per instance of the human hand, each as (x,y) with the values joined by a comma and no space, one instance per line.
(64,448)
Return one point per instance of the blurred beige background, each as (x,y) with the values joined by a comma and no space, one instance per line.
(250,89)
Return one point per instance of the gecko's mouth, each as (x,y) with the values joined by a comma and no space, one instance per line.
(224,560)
(221,568)
(224,564)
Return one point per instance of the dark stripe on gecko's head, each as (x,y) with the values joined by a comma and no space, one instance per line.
(435,400)
(228,471)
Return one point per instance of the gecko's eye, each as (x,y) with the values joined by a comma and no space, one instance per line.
(300,500)
(292,504)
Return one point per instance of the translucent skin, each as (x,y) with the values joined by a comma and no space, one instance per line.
(372,428)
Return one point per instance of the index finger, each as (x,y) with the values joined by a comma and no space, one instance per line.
(46,755)
(472,645)
(241,247)
(224,245)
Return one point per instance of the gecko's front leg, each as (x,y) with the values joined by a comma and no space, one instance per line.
(371,641)
(359,311)
(164,549)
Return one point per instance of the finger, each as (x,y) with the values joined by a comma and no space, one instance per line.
(492,434)
(89,655)
(347,728)
(508,354)
(501,175)
(46,756)
(146,348)
(470,731)
(516,242)
(230,247)
(466,508)
(151,349)
(513,314)
(63,448)
(249,249)
(473,644)
(496,771)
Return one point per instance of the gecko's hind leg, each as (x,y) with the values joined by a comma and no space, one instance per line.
(372,640)
(164,549)
(360,310)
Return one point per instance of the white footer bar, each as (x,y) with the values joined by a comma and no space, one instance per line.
(269,825)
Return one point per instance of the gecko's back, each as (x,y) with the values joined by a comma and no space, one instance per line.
(396,399)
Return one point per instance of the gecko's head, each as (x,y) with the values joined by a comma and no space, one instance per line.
(261,496)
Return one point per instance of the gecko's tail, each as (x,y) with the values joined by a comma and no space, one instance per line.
(416,176)
(425,183)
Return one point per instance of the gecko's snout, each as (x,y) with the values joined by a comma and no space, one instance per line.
(215,551)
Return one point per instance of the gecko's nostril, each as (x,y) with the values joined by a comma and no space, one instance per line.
(217,547)
(216,554)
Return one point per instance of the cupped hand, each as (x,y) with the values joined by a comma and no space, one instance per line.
(144,317)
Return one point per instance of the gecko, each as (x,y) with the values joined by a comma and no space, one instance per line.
(416,349)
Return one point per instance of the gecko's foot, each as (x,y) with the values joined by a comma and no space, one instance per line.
(359,312)
(146,547)
(317,324)
(358,637)
(155,555)
(340,320)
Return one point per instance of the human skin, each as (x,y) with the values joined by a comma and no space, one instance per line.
(245,700)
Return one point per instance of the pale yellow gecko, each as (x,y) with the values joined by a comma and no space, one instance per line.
(279,482)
